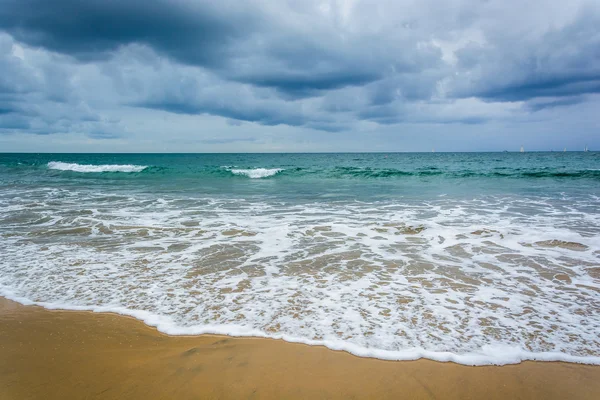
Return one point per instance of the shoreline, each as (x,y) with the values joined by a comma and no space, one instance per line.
(81,354)
(512,356)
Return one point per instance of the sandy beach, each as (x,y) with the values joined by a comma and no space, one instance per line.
(75,355)
(299,199)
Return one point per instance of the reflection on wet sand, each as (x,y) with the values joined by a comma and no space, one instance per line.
(75,355)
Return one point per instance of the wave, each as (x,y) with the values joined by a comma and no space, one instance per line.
(61,166)
(332,172)
(486,355)
(356,172)
(585,173)
(256,173)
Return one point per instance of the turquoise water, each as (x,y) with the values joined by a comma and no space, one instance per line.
(316,176)
(477,258)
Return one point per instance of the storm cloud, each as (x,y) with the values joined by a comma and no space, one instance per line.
(282,74)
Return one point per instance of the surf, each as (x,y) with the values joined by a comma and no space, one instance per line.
(256,173)
(88,168)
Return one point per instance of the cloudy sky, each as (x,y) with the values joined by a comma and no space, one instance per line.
(290,75)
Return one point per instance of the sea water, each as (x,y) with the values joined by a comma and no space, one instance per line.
(476,258)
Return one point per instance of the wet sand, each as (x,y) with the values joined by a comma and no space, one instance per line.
(81,355)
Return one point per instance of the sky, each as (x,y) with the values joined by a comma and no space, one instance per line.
(299,76)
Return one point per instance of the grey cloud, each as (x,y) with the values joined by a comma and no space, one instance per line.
(38,96)
(240,43)
(49,117)
(324,66)
(234,122)
(10,122)
(303,63)
(160,84)
(543,104)
(405,87)
(562,62)
(299,85)
(551,86)
(16,77)
(269,116)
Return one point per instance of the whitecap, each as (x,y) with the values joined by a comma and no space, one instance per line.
(257,173)
(95,168)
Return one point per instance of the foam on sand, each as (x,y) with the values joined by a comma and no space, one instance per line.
(487,355)
(107,346)
(62,166)
(461,280)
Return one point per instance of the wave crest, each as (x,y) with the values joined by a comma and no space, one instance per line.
(257,173)
(61,166)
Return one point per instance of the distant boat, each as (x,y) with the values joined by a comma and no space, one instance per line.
(565,149)
(433,150)
(522,150)
(586,149)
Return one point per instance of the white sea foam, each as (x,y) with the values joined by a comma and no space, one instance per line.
(451,280)
(95,168)
(257,173)
(487,355)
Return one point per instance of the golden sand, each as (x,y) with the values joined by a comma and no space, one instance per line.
(81,355)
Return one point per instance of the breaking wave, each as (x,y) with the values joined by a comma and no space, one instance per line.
(95,168)
(257,173)
(330,172)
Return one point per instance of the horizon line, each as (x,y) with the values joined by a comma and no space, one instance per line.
(302,152)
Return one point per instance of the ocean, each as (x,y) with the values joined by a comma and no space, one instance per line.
(475,258)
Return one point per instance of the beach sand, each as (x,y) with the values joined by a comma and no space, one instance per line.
(81,355)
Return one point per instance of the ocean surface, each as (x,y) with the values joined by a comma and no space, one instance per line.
(476,258)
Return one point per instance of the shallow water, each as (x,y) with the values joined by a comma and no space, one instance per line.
(477,258)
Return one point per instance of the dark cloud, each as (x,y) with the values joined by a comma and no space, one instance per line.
(224,39)
(262,115)
(191,32)
(303,84)
(535,87)
(396,113)
(328,126)
(543,104)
